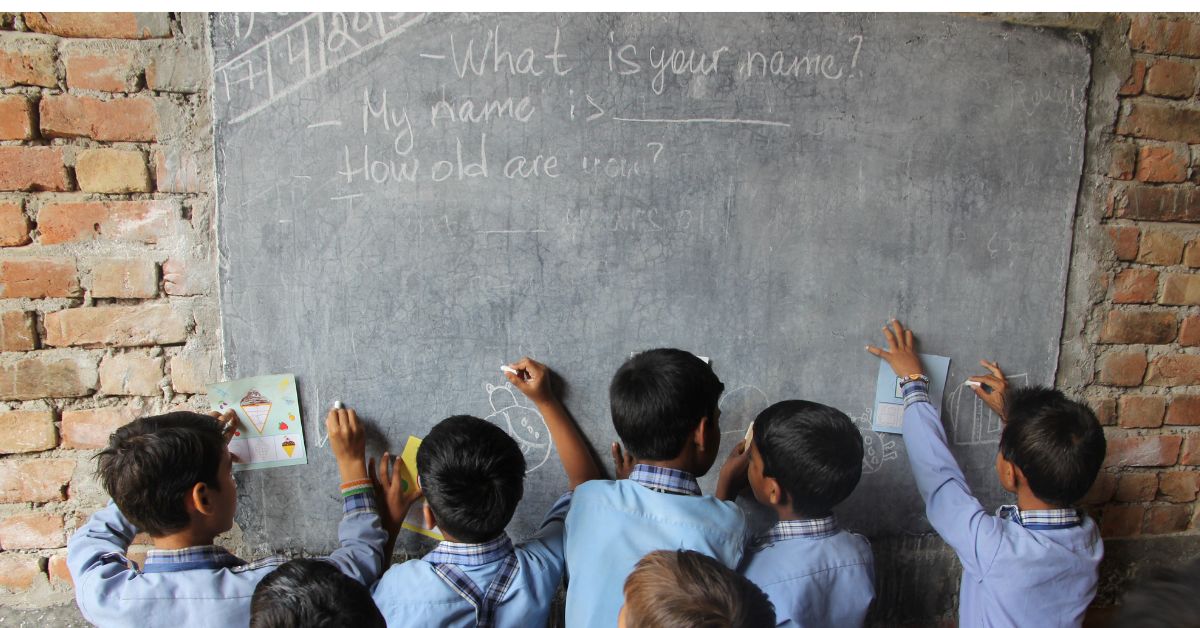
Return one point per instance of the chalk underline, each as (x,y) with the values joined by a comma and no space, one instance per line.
(513,231)
(704,120)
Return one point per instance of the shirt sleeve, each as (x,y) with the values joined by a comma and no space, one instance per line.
(548,540)
(96,559)
(361,536)
(953,511)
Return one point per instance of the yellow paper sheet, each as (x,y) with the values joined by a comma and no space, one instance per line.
(415,521)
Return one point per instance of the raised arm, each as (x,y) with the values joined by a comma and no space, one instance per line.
(532,378)
(361,538)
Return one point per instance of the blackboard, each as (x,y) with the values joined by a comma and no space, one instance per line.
(407,201)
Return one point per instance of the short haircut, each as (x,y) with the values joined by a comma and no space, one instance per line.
(313,593)
(473,475)
(1056,443)
(151,465)
(1168,598)
(814,451)
(658,397)
(687,589)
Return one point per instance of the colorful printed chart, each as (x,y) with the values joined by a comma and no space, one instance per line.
(889,399)
(270,433)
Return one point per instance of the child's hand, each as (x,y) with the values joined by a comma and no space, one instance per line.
(733,473)
(900,354)
(532,378)
(996,388)
(622,462)
(228,421)
(349,443)
(389,492)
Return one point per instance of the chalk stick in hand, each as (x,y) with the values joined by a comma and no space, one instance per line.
(508,369)
(338,405)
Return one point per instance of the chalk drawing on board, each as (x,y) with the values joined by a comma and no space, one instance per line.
(523,423)
(971,420)
(739,406)
(878,447)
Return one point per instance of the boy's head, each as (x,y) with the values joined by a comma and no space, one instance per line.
(1054,445)
(473,475)
(663,401)
(310,592)
(686,589)
(804,456)
(170,472)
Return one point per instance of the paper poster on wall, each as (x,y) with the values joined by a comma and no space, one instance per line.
(270,433)
(889,398)
(415,521)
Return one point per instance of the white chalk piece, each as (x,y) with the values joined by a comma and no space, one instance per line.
(508,369)
(974,384)
(338,405)
(749,434)
(707,360)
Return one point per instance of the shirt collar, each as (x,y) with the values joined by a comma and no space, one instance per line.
(188,558)
(799,528)
(665,480)
(1052,519)
(471,554)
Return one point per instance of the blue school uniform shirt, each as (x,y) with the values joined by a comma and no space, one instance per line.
(196,586)
(612,524)
(413,593)
(1033,568)
(815,573)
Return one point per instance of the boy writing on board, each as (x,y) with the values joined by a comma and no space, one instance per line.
(803,459)
(171,476)
(664,408)
(1031,564)
(472,474)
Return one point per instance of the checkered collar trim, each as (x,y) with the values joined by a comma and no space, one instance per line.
(197,557)
(471,554)
(1053,519)
(799,528)
(665,480)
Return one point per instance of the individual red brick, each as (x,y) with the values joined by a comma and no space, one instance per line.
(191,371)
(1191,253)
(1191,451)
(112,171)
(185,277)
(131,119)
(90,429)
(1136,487)
(1184,410)
(1165,519)
(1160,121)
(1161,35)
(1174,370)
(1105,409)
(1166,163)
(125,279)
(33,168)
(32,531)
(19,572)
(1160,247)
(1133,83)
(1121,520)
(37,278)
(101,25)
(137,221)
(58,571)
(1171,79)
(131,374)
(111,71)
(1123,161)
(1102,490)
(1179,487)
(17,332)
(1180,289)
(1122,369)
(14,226)
(177,170)
(1135,285)
(23,431)
(1125,241)
(1138,327)
(1143,451)
(1189,332)
(39,480)
(115,326)
(16,118)
(1136,410)
(38,376)
(27,60)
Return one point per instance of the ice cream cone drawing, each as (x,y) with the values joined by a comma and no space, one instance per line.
(257,408)
(523,423)
(289,447)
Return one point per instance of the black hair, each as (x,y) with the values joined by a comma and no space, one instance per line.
(1169,598)
(813,451)
(315,594)
(473,475)
(152,464)
(1057,443)
(658,398)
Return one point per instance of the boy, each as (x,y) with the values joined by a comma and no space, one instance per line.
(805,458)
(686,589)
(1032,564)
(171,476)
(472,475)
(312,592)
(664,408)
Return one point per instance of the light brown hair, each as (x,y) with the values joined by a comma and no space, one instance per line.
(686,589)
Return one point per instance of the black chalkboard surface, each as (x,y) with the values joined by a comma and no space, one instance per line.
(408,201)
